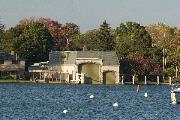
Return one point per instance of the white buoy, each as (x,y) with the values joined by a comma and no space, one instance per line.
(174,102)
(145,95)
(91,96)
(65,111)
(115,104)
(173,98)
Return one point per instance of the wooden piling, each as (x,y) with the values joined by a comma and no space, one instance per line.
(170,80)
(122,80)
(157,80)
(133,79)
(145,80)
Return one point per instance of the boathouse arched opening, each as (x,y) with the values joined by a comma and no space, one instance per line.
(91,71)
(109,77)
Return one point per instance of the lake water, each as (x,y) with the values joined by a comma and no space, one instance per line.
(47,101)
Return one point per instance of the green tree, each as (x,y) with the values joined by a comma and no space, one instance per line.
(1,36)
(9,36)
(57,30)
(6,41)
(73,30)
(98,39)
(73,33)
(106,37)
(135,51)
(1,27)
(90,40)
(1,31)
(63,35)
(131,38)
(34,43)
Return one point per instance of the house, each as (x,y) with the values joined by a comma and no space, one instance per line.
(38,72)
(91,67)
(11,67)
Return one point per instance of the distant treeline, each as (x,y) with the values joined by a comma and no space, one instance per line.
(140,49)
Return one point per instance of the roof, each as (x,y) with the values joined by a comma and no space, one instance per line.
(69,57)
(5,56)
(37,68)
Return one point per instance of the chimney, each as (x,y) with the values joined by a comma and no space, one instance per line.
(12,52)
(84,48)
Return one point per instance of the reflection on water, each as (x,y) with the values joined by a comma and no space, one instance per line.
(47,101)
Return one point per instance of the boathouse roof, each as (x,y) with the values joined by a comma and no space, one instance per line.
(70,57)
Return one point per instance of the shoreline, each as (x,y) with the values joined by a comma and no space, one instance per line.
(55,82)
(16,81)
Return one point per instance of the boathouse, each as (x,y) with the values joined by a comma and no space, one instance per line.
(39,72)
(91,67)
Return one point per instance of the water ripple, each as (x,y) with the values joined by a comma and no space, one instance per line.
(47,101)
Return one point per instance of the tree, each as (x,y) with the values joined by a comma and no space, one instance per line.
(1,35)
(57,31)
(90,40)
(166,38)
(131,38)
(34,43)
(64,36)
(106,38)
(134,48)
(1,26)
(147,63)
(73,30)
(9,36)
(98,39)
(73,33)
(163,36)
(6,41)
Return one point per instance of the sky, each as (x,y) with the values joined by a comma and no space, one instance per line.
(89,14)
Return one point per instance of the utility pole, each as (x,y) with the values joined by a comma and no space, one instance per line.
(164,59)
(176,61)
(176,69)
(163,62)
(67,44)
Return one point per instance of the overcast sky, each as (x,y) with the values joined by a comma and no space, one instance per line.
(89,14)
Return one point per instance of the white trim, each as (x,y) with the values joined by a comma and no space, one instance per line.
(87,59)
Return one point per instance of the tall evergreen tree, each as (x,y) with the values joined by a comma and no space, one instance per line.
(1,26)
(106,38)
(90,40)
(1,33)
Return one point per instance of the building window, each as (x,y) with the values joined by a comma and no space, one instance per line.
(14,62)
(1,61)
